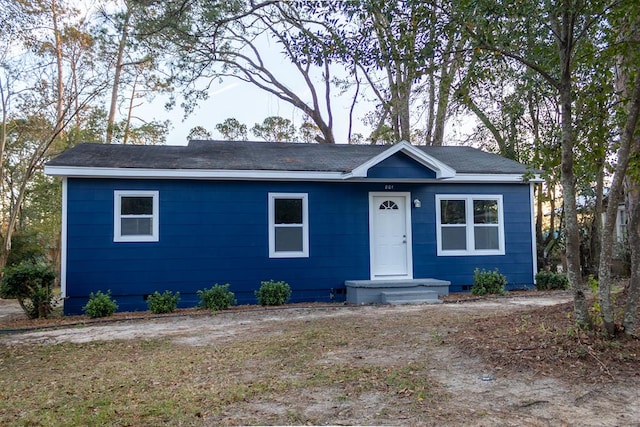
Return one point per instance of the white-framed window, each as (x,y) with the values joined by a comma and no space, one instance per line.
(288,225)
(135,216)
(469,225)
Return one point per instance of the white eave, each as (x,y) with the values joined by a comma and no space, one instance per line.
(259,175)
(86,172)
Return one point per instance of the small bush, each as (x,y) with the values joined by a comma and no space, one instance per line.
(218,297)
(546,280)
(163,302)
(31,284)
(273,293)
(488,282)
(100,305)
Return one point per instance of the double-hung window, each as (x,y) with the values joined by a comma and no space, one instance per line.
(470,225)
(288,225)
(135,216)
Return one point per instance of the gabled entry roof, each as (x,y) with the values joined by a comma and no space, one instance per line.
(259,160)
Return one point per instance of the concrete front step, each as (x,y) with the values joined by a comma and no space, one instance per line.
(409,297)
(370,291)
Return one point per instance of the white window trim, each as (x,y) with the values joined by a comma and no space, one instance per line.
(469,198)
(305,226)
(117,200)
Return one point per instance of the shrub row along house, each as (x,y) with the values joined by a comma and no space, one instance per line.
(139,219)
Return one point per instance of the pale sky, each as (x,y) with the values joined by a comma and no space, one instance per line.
(249,105)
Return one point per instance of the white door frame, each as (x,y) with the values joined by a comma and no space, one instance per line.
(409,244)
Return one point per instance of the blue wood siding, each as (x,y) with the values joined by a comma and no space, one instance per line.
(516,264)
(400,165)
(217,232)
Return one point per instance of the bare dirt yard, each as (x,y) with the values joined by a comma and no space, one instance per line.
(514,360)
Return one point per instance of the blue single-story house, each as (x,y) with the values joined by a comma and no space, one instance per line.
(139,219)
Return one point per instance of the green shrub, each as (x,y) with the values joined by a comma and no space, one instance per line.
(31,284)
(488,282)
(273,293)
(218,297)
(100,305)
(163,302)
(548,280)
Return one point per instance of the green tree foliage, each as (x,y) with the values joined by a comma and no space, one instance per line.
(198,133)
(309,132)
(208,40)
(554,41)
(133,70)
(408,53)
(232,130)
(275,129)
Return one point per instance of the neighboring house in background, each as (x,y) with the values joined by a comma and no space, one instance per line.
(621,262)
(621,224)
(139,219)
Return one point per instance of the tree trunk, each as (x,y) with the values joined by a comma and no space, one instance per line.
(563,26)
(404,111)
(571,229)
(596,225)
(4,98)
(615,195)
(447,75)
(58,52)
(116,76)
(572,232)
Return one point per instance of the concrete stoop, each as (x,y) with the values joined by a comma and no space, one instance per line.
(410,291)
(409,297)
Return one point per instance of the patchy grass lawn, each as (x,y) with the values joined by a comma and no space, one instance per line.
(407,365)
(160,382)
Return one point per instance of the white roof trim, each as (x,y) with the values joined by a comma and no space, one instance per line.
(506,177)
(441,169)
(86,172)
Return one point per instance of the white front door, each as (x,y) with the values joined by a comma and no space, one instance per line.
(390,235)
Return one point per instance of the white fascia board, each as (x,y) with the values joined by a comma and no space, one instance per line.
(497,178)
(458,179)
(86,172)
(441,169)
(133,173)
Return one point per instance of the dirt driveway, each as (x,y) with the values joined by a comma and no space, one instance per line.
(478,394)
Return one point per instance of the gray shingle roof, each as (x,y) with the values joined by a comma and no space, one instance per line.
(231,155)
